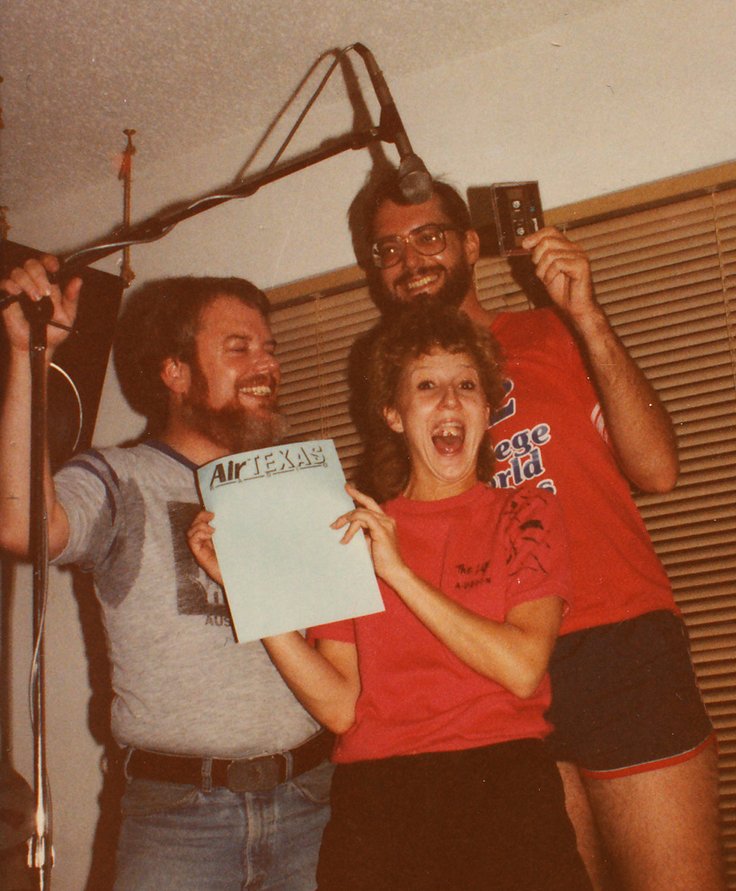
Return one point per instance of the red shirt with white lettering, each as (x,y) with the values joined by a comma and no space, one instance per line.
(549,433)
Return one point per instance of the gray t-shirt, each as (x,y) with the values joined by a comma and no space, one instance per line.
(182,683)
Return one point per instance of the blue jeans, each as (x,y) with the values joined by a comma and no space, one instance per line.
(179,837)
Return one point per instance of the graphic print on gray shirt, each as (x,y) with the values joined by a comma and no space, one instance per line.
(182,684)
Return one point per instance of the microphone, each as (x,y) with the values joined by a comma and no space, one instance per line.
(415,182)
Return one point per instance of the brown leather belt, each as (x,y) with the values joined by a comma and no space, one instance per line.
(259,774)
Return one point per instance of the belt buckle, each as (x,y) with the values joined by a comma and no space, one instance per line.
(254,775)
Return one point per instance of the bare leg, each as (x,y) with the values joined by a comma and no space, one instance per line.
(662,827)
(586,832)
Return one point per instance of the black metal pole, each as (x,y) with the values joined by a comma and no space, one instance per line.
(40,844)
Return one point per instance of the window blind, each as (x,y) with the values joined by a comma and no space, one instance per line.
(666,275)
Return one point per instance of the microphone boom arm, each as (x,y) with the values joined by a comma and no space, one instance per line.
(161,224)
(415,181)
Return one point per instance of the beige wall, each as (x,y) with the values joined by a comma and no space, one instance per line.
(642,92)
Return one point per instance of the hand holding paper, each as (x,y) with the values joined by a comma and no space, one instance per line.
(381,531)
(199,536)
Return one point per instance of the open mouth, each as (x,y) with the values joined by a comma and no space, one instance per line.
(259,390)
(449,437)
(261,386)
(418,282)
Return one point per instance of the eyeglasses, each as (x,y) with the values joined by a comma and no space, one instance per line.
(427,240)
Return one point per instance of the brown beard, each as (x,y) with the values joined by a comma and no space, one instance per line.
(231,427)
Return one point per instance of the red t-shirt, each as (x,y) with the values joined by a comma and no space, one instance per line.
(549,432)
(489,550)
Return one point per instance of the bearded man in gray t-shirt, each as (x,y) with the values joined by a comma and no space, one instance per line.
(227,774)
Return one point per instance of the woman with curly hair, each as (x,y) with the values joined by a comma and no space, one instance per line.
(442,781)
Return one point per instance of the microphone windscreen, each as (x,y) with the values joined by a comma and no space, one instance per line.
(415,182)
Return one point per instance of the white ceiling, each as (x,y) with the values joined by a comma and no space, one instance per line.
(183,72)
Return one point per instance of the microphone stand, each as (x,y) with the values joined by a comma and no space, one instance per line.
(39,315)
(40,851)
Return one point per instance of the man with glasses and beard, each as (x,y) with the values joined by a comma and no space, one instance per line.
(227,774)
(633,741)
